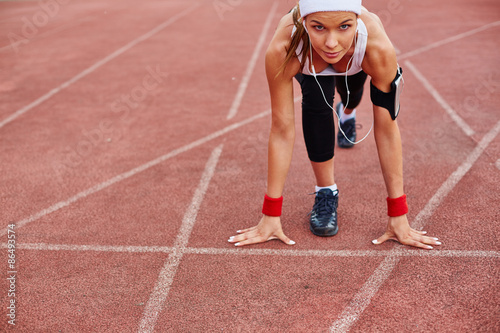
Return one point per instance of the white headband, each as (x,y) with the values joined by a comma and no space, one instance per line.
(312,6)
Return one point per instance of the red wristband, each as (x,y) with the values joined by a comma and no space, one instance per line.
(272,206)
(397,206)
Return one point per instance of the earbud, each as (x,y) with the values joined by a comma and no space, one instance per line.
(347,87)
(310,47)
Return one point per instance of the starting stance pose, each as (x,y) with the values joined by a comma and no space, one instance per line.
(328,44)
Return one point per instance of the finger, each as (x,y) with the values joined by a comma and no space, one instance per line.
(281,236)
(419,232)
(252,240)
(428,240)
(383,238)
(234,239)
(420,241)
(241,237)
(246,230)
(419,237)
(415,243)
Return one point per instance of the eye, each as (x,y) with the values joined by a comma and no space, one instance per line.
(344,26)
(319,27)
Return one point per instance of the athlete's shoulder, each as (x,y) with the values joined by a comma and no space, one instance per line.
(377,36)
(278,47)
(380,53)
(282,36)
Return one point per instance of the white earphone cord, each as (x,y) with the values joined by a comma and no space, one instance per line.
(348,93)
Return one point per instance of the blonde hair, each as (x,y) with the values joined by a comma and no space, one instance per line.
(299,35)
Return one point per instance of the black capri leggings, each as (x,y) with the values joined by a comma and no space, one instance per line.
(317,117)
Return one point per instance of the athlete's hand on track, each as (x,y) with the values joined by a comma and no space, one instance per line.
(268,228)
(399,229)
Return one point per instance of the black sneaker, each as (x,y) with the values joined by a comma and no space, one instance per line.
(349,128)
(323,220)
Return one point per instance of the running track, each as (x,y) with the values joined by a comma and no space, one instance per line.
(133,143)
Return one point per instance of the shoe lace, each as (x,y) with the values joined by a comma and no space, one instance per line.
(324,204)
(349,126)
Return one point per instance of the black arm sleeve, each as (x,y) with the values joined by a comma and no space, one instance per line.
(390,100)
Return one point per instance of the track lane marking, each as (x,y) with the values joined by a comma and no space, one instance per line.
(85,19)
(251,64)
(454,178)
(448,40)
(90,247)
(101,186)
(254,252)
(160,292)
(133,172)
(95,66)
(362,298)
(452,113)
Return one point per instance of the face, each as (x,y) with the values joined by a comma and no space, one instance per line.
(331,34)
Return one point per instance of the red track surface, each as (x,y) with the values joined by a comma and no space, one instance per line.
(122,205)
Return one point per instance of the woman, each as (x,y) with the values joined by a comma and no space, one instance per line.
(326,44)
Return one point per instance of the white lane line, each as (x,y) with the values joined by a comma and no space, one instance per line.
(133,172)
(251,65)
(137,170)
(167,274)
(89,17)
(95,66)
(255,252)
(454,178)
(363,297)
(343,253)
(448,40)
(89,247)
(287,253)
(457,253)
(456,118)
